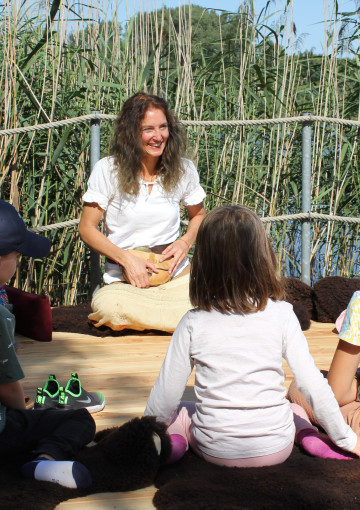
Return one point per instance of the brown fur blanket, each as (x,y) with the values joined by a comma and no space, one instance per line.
(322,303)
(74,319)
(301,483)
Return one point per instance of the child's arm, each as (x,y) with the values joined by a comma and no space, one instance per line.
(315,388)
(342,370)
(12,395)
(169,387)
(347,355)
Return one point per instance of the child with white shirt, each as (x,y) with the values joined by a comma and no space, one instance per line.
(237,336)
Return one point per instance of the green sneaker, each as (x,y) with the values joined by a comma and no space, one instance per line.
(48,396)
(75,397)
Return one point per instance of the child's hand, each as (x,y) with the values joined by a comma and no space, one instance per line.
(356,450)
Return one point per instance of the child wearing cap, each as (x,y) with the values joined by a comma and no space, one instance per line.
(52,436)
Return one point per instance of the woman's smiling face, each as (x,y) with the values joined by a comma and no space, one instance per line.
(154,133)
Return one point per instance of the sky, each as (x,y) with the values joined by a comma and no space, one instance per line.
(309,15)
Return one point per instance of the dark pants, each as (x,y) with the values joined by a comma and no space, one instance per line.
(60,434)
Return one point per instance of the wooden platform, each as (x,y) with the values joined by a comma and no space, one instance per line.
(124,370)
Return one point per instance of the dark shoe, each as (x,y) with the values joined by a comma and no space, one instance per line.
(75,397)
(48,396)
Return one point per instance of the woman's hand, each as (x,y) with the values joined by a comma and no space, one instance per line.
(178,250)
(181,247)
(135,267)
(136,270)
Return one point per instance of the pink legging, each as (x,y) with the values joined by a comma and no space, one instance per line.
(182,424)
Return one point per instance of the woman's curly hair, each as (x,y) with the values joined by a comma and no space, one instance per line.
(127,149)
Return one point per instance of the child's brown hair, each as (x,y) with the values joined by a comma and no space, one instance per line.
(234,268)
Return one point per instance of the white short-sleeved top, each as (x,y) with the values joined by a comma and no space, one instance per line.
(143,220)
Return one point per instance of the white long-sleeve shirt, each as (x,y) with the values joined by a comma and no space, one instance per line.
(241,405)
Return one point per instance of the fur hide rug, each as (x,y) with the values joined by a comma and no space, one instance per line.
(322,303)
(302,482)
(74,319)
(123,458)
(301,296)
(331,297)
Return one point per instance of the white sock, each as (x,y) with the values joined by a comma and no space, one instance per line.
(68,473)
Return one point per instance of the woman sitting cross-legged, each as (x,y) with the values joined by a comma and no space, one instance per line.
(138,190)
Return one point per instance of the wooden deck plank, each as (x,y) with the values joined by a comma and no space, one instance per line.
(135,500)
(124,369)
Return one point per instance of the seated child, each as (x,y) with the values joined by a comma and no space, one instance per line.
(236,337)
(52,436)
(343,375)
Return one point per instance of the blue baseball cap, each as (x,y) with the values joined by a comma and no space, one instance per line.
(14,236)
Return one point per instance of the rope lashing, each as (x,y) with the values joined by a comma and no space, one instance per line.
(270,219)
(231,123)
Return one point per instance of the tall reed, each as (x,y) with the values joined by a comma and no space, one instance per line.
(59,62)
